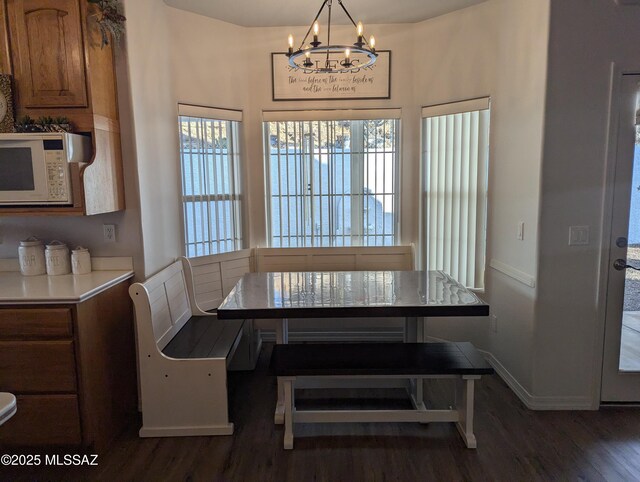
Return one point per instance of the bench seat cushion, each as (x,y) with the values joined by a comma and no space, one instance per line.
(204,337)
(350,359)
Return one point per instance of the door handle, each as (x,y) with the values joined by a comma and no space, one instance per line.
(621,264)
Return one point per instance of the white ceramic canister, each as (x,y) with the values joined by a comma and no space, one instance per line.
(57,257)
(31,255)
(80,260)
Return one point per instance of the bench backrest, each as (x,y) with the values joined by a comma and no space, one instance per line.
(351,258)
(162,305)
(211,278)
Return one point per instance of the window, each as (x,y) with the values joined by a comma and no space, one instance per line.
(209,158)
(332,182)
(455,167)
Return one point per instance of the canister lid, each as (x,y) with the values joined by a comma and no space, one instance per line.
(53,245)
(80,249)
(31,241)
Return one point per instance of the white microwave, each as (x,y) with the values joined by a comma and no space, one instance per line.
(34,168)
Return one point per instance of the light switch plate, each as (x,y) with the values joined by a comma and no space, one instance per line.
(579,235)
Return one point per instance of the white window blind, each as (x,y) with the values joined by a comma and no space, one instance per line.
(331,182)
(455,161)
(211,195)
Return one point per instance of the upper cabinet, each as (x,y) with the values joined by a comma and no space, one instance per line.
(53,49)
(48,53)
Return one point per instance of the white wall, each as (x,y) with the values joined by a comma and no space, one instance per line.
(585,38)
(209,66)
(497,49)
(155,138)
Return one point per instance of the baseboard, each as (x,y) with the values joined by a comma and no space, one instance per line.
(532,402)
(223,429)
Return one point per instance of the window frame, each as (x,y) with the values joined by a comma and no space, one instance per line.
(336,116)
(235,224)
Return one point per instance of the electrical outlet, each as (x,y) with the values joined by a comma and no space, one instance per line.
(109,233)
(494,323)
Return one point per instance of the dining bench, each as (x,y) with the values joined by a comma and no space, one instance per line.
(183,356)
(458,360)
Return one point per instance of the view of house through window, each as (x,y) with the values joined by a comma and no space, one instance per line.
(211,197)
(455,166)
(332,182)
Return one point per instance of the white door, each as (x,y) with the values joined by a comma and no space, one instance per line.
(621,364)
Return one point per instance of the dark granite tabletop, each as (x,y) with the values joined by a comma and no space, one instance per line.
(350,294)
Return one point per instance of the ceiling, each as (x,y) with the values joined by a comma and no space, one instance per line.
(275,13)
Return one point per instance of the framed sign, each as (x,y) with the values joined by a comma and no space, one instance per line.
(372,82)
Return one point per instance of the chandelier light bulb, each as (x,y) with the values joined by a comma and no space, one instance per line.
(372,42)
(360,29)
(347,54)
(290,45)
(316,31)
(307,59)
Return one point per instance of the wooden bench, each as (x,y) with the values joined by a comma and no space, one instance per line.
(381,360)
(183,354)
(209,280)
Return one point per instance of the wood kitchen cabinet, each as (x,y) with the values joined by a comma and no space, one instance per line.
(60,69)
(72,368)
(48,55)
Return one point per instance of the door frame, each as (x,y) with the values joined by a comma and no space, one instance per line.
(617,72)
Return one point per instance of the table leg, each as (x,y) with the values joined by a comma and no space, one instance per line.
(410,329)
(414,333)
(289,400)
(282,338)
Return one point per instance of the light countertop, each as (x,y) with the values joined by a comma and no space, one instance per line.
(69,288)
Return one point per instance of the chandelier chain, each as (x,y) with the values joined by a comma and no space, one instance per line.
(328,61)
(314,21)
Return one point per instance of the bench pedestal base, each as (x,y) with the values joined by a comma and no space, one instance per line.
(461,415)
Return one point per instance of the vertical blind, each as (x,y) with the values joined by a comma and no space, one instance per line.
(209,158)
(455,167)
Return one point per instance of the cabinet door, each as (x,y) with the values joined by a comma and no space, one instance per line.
(37,367)
(43,420)
(48,53)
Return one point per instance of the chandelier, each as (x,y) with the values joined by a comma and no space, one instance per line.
(316,57)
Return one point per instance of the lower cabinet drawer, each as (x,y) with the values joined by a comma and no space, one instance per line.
(35,323)
(43,420)
(37,366)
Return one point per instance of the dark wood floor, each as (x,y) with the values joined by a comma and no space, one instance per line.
(514,444)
